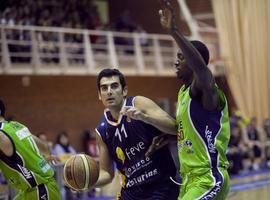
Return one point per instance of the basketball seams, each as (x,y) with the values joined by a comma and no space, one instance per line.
(67,172)
(80,172)
(73,172)
(87,171)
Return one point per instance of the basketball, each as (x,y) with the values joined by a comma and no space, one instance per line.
(80,172)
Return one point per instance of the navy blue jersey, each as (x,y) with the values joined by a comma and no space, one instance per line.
(127,141)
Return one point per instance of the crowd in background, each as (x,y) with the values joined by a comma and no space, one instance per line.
(249,147)
(68,14)
(81,14)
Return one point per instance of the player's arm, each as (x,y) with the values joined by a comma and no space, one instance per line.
(45,150)
(6,145)
(148,111)
(42,146)
(106,170)
(203,83)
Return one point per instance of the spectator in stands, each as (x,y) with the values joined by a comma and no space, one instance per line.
(253,140)
(266,129)
(125,22)
(238,119)
(237,151)
(64,150)
(267,157)
(266,134)
(50,13)
(143,36)
(90,144)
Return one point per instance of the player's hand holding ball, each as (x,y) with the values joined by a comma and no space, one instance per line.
(81,172)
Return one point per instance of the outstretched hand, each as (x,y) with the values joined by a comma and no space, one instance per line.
(167,16)
(133,113)
(52,159)
(158,142)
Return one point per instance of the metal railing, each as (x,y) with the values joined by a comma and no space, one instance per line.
(50,50)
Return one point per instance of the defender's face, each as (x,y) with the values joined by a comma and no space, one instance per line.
(182,70)
(111,92)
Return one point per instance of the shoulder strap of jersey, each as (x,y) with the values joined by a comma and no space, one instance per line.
(130,101)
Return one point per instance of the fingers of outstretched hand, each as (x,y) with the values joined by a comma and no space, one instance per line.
(150,150)
(162,142)
(157,140)
(154,147)
(167,8)
(52,160)
(132,112)
(125,109)
(160,12)
(157,143)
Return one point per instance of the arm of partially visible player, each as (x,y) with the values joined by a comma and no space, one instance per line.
(42,146)
(45,150)
(203,83)
(6,145)
(148,111)
(106,170)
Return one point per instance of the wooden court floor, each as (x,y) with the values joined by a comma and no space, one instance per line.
(251,186)
(252,194)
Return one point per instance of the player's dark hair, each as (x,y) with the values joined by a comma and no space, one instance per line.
(109,73)
(2,108)
(202,49)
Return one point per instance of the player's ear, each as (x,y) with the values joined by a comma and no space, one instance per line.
(99,96)
(125,91)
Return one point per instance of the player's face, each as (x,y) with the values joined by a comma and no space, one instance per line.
(182,70)
(111,92)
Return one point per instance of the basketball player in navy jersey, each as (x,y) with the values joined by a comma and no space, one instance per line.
(125,141)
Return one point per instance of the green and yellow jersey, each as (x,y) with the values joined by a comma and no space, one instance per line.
(203,137)
(26,168)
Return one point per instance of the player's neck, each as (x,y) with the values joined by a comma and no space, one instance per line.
(115,111)
(2,119)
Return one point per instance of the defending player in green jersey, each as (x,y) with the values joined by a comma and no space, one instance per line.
(202,119)
(22,164)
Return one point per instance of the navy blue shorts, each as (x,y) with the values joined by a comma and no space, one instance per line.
(166,190)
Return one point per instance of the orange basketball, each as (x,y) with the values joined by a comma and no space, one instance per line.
(81,172)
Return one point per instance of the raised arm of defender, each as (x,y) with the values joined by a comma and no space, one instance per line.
(203,83)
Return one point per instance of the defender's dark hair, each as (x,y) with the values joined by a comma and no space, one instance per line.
(202,49)
(109,73)
(2,108)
